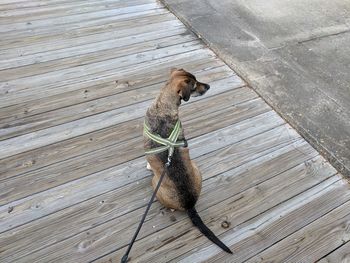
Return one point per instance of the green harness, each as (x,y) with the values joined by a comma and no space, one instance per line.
(168,144)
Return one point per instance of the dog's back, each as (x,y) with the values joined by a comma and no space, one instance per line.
(182,184)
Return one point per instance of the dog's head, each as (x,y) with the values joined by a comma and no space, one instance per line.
(186,85)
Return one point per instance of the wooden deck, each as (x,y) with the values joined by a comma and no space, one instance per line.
(76,79)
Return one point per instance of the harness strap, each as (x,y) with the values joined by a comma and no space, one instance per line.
(168,144)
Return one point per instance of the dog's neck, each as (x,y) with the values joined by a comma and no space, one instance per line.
(163,113)
(167,104)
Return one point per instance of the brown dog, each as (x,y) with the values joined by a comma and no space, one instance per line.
(182,183)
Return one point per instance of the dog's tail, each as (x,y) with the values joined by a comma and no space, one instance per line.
(197,221)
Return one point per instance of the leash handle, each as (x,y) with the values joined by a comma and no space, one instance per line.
(126,255)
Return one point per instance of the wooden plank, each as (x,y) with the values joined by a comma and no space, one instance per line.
(61,29)
(98,25)
(172,38)
(43,154)
(14,188)
(34,45)
(90,213)
(259,149)
(134,77)
(237,203)
(37,60)
(64,10)
(268,228)
(107,52)
(86,109)
(86,125)
(12,4)
(27,88)
(313,241)
(125,131)
(76,21)
(342,254)
(203,69)
(24,47)
(152,247)
(92,142)
(123,12)
(92,34)
(9,5)
(69,130)
(32,207)
(125,75)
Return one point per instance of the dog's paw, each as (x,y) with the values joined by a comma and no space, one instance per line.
(148,167)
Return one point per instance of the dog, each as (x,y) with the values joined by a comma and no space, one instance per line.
(182,182)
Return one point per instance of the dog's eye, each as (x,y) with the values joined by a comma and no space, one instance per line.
(187,81)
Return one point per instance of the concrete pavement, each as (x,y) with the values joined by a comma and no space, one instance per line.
(295,54)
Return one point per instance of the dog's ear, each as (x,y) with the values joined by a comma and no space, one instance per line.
(185,89)
(172,70)
(175,71)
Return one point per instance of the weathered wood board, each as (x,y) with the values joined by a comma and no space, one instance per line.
(76,78)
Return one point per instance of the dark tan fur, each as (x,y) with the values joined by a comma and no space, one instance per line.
(161,117)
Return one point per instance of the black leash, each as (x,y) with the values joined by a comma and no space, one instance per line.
(126,255)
